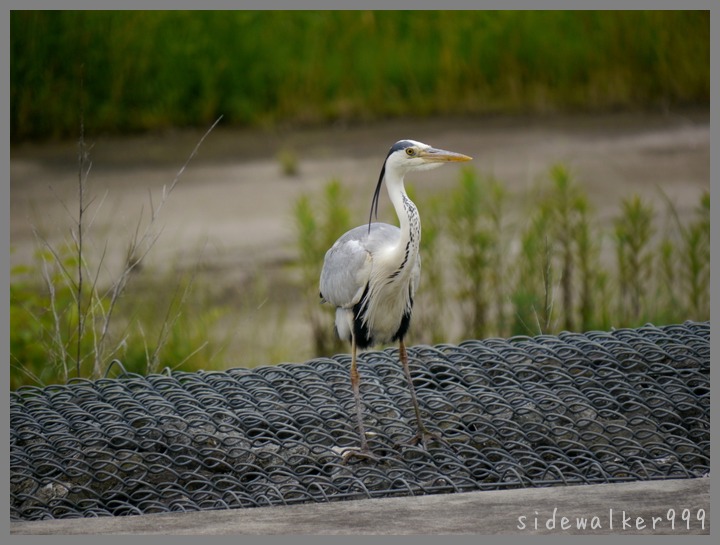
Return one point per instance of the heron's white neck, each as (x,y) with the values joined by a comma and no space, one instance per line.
(408,248)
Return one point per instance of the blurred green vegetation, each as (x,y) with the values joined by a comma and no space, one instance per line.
(155,325)
(540,262)
(316,233)
(536,262)
(148,70)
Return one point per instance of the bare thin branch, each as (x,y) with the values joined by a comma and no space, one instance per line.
(97,209)
(57,339)
(56,257)
(94,316)
(190,355)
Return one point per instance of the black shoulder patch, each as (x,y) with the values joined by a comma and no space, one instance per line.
(360,329)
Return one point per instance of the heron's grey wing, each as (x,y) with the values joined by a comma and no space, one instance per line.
(348,263)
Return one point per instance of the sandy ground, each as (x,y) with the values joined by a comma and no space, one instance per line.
(232,207)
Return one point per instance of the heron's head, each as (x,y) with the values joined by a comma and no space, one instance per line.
(407,155)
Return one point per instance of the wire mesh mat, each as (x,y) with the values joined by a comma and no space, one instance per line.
(599,407)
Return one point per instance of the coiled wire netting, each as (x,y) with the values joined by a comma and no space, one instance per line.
(599,407)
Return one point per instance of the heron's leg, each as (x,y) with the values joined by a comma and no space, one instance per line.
(424,435)
(364,451)
(355,382)
(406,367)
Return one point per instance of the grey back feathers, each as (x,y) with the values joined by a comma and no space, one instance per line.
(348,263)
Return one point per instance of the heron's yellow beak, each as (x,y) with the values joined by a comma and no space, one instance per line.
(435,155)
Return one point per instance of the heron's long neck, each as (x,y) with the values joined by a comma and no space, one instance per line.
(409,218)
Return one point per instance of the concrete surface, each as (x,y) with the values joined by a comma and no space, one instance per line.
(674,507)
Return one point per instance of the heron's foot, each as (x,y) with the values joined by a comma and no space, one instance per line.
(361,454)
(426,437)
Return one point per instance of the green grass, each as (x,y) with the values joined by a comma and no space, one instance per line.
(154,327)
(635,257)
(475,218)
(149,70)
(554,267)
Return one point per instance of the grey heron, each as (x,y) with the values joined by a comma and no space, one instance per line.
(370,273)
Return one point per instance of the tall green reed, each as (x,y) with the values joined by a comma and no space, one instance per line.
(555,266)
(475,227)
